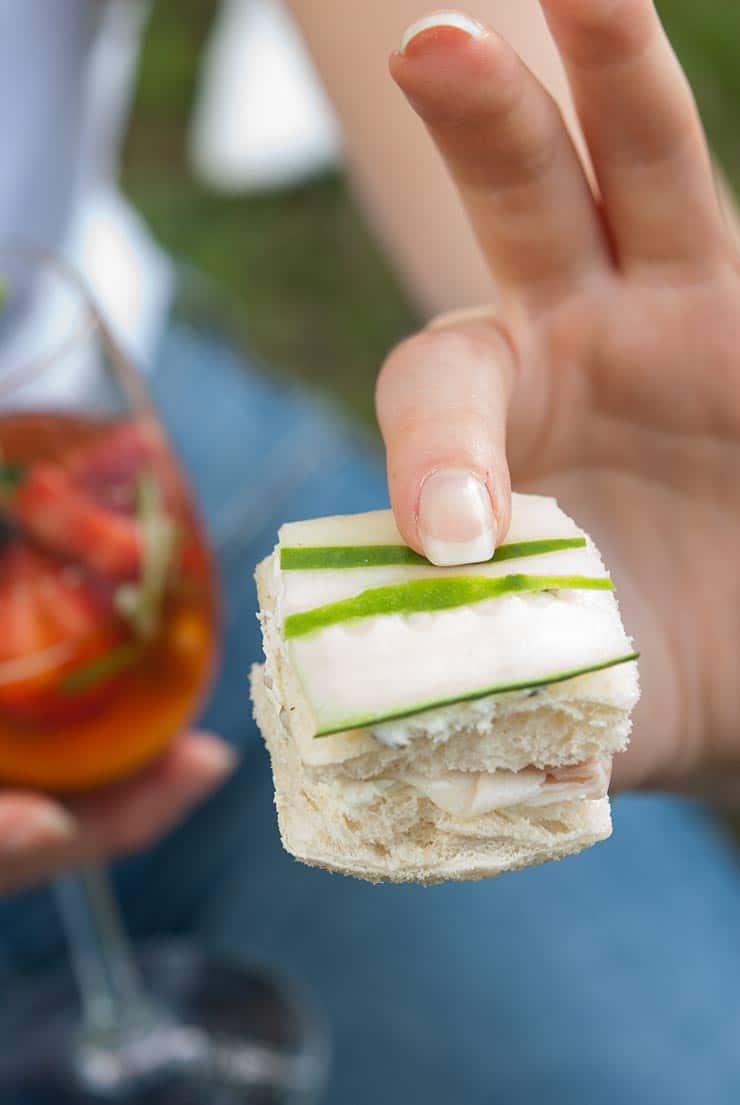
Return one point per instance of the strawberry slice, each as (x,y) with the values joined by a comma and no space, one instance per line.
(49,507)
(107,470)
(85,507)
(57,625)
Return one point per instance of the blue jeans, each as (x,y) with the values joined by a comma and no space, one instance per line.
(609,978)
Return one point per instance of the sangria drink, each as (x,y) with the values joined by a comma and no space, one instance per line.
(107,599)
(108,641)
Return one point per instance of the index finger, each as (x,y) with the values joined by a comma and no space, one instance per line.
(506,144)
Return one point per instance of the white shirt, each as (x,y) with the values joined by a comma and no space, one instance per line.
(66,72)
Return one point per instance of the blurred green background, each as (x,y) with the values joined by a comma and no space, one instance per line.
(335,320)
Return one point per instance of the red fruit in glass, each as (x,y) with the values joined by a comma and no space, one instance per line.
(84,698)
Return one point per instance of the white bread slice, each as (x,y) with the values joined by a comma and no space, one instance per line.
(410,840)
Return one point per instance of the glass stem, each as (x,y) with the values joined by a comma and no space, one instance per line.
(109,982)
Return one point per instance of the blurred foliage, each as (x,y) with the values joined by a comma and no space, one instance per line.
(311,290)
(707,38)
(309,285)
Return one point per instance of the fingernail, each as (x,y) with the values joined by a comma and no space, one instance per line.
(36,828)
(448,18)
(456,523)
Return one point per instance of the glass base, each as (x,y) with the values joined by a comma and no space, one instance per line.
(223,1035)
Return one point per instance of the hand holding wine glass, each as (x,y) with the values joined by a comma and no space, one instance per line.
(103,572)
(41,836)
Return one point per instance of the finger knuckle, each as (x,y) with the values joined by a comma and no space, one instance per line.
(127,837)
(570,332)
(401,354)
(452,345)
(596,34)
(521,164)
(433,350)
(435,363)
(403,360)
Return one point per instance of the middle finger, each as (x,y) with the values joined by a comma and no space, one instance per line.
(643,131)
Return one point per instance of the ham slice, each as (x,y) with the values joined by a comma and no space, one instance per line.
(474,794)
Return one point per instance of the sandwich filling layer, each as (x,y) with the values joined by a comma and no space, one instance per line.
(470,795)
(373,633)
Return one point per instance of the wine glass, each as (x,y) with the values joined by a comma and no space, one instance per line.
(108,643)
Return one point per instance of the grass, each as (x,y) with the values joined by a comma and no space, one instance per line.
(312,293)
(310,287)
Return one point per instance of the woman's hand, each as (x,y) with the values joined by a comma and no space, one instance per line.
(40,837)
(608,374)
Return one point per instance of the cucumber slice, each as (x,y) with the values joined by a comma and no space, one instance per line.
(10,475)
(101,669)
(305,590)
(373,632)
(319,565)
(329,557)
(360,723)
(534,517)
(428,596)
(358,673)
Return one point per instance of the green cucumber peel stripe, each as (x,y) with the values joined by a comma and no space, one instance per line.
(140,603)
(10,475)
(435,704)
(319,557)
(429,595)
(104,667)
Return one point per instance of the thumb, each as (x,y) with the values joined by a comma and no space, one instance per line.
(442,400)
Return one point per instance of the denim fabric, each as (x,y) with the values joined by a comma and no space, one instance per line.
(607,979)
